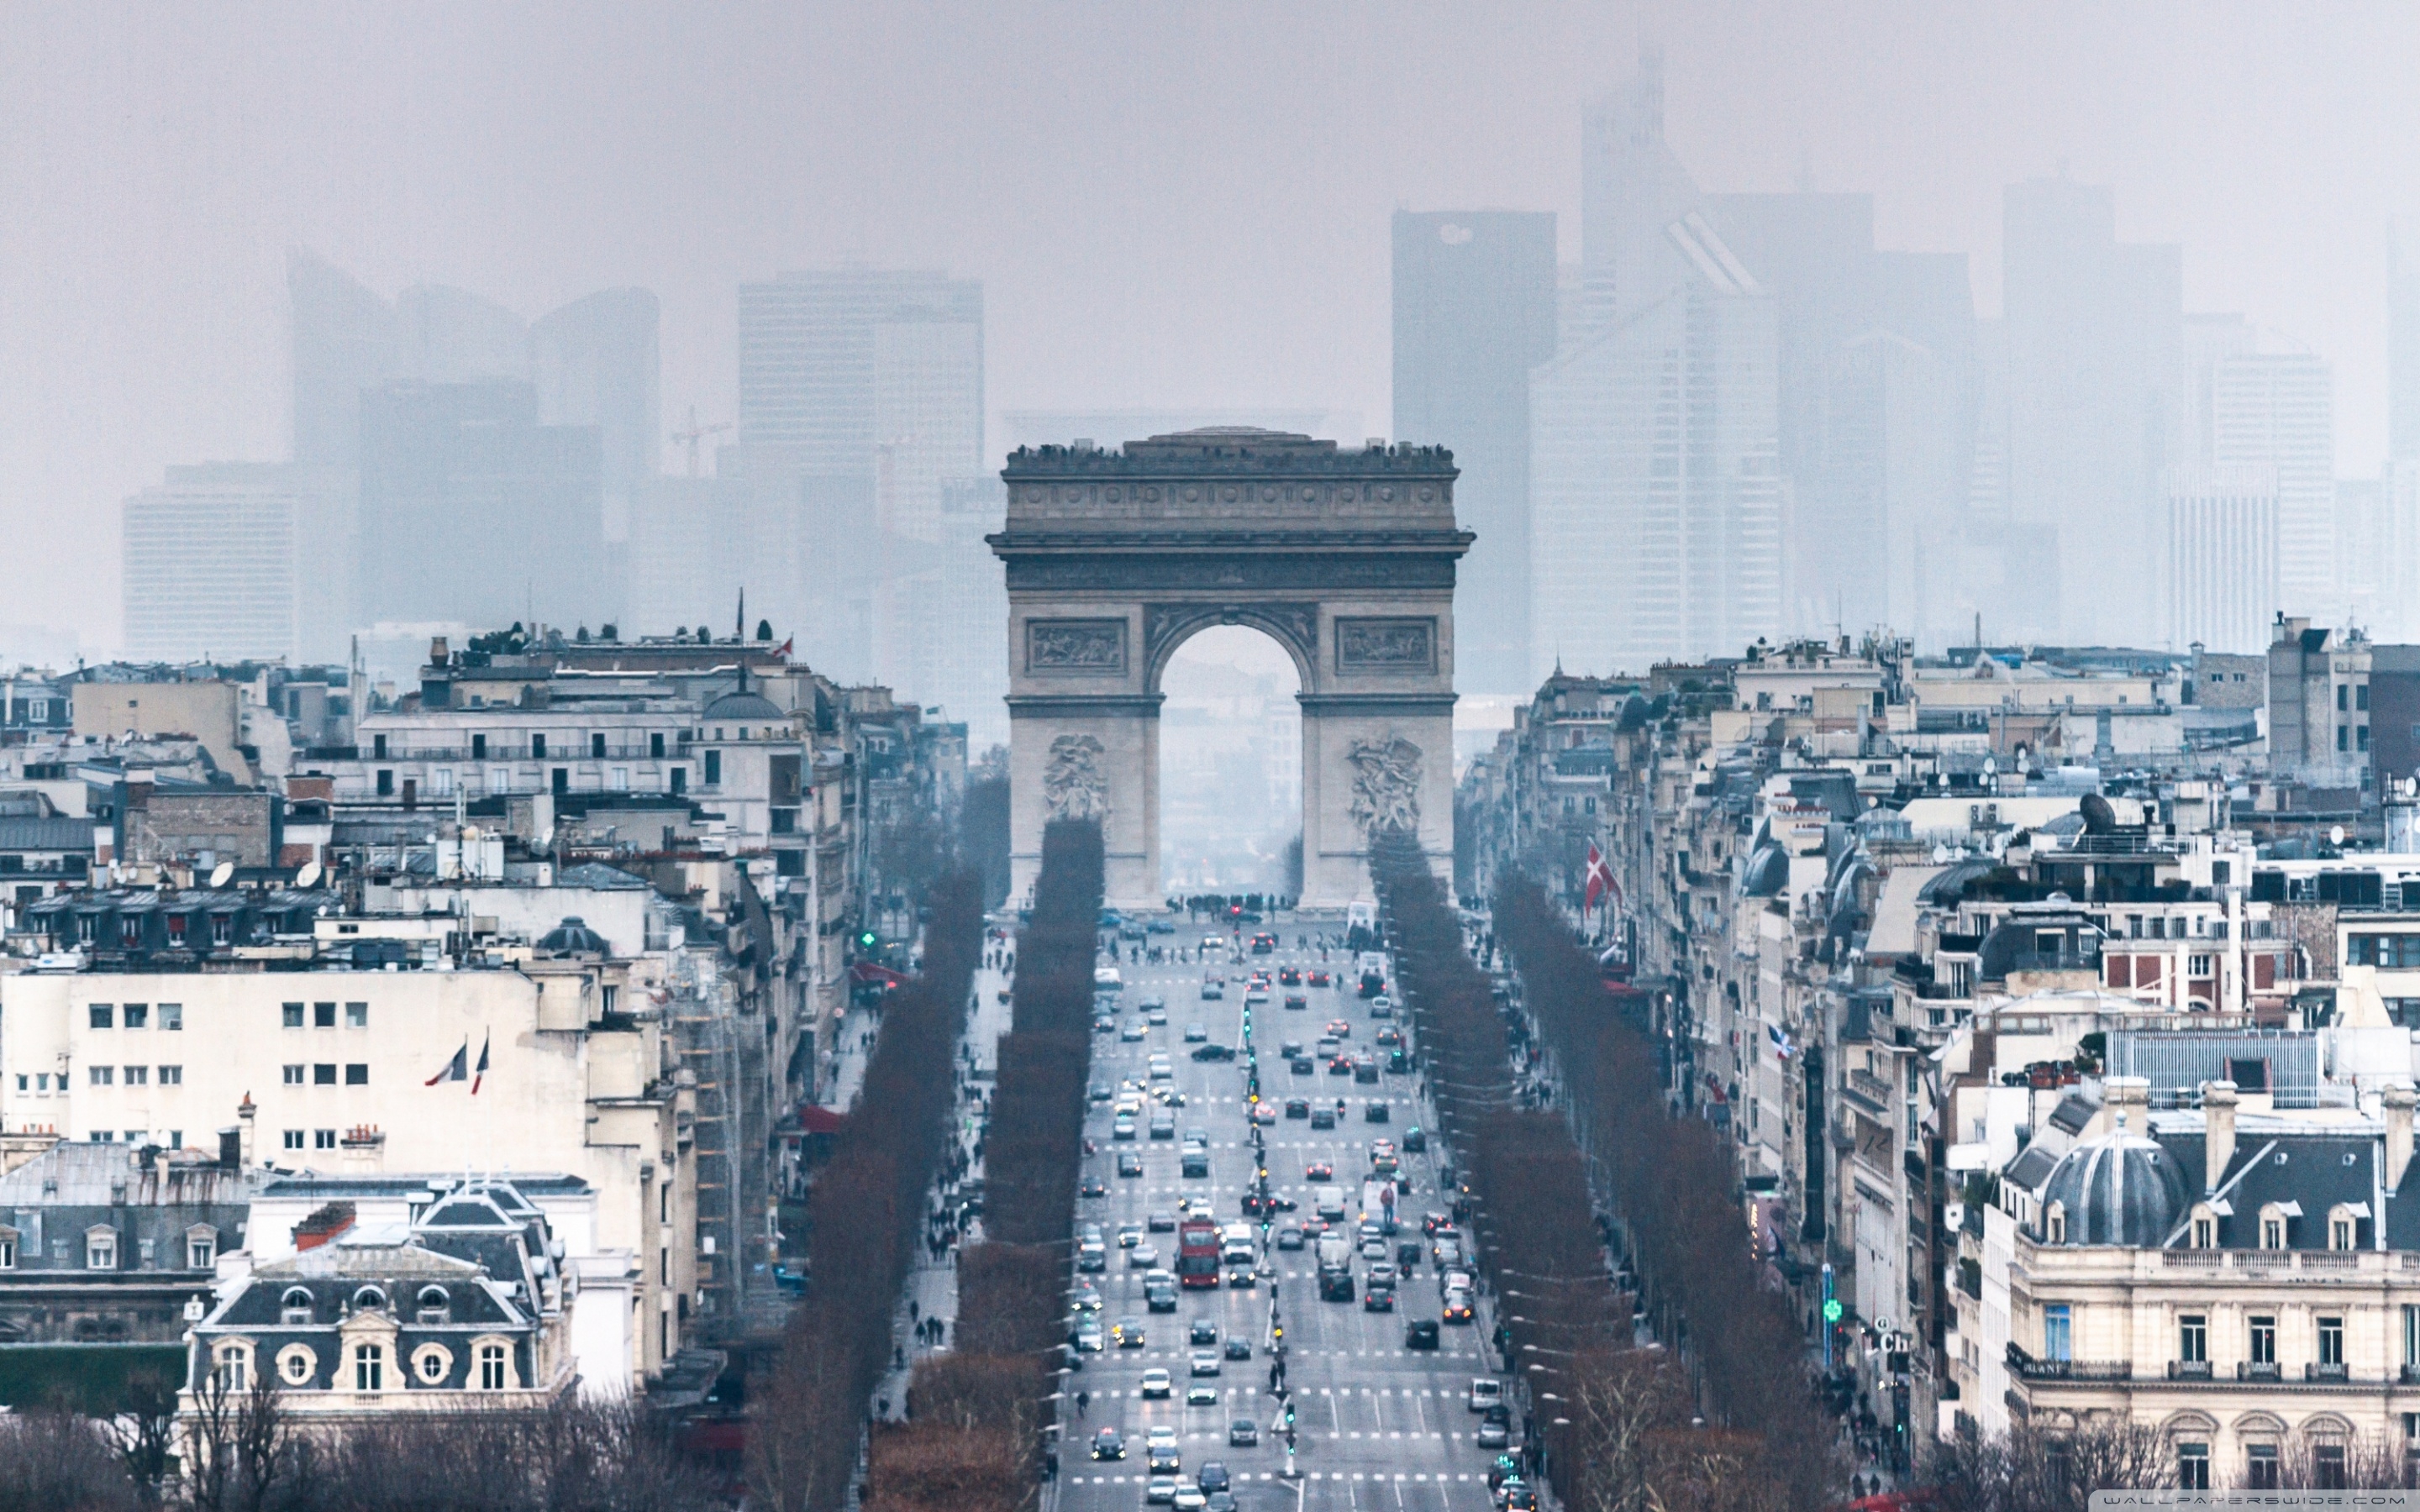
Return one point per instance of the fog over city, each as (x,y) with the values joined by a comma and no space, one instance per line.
(1224,755)
(1181,207)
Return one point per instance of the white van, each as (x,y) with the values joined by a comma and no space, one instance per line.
(1486,1392)
(1106,980)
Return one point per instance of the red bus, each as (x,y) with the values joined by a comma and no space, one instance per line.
(1197,1253)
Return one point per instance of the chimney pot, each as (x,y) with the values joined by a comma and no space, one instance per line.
(2218,1132)
(2397,1102)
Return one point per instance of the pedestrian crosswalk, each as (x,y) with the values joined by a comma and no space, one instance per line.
(1112,1392)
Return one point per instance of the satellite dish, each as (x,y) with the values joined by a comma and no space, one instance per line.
(308,876)
(222,873)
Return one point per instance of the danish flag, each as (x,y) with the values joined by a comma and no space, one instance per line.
(1600,878)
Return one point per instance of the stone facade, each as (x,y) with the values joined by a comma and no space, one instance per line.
(1344,558)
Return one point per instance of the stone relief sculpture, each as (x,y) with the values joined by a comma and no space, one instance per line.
(1386,783)
(1071,784)
(1076,645)
(1386,645)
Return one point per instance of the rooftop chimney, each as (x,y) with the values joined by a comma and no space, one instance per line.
(323,1226)
(2397,1101)
(2218,1132)
(2128,1098)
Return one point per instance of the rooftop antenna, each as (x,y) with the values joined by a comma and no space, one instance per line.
(739,621)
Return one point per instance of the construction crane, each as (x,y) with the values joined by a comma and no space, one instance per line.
(692,433)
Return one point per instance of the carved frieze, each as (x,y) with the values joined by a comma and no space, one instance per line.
(1073,784)
(1114,572)
(1388,644)
(1075,648)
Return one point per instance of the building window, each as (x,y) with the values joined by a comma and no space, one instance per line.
(500,778)
(479,747)
(292,1076)
(172,1075)
(2205,1232)
(295,1307)
(2328,1467)
(431,1361)
(357,1015)
(102,1136)
(99,1076)
(656,746)
(357,1073)
(323,1073)
(713,767)
(2264,1341)
(290,1016)
(2340,1230)
(2410,1335)
(201,1253)
(2260,1467)
(323,1015)
(137,1075)
(2056,1344)
(7,1252)
(385,782)
(494,1368)
(537,748)
(291,1139)
(2192,1467)
(440,782)
(323,1138)
(231,1367)
(172,1017)
(296,1364)
(433,1306)
(138,1015)
(101,1251)
(597,747)
(2272,1229)
(2193,1338)
(102,1015)
(2332,1341)
(617,779)
(2055,1222)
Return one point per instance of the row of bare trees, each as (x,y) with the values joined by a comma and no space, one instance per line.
(867,1209)
(976,1414)
(1672,1183)
(244,1452)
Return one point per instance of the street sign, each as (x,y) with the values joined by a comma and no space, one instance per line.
(1832,1309)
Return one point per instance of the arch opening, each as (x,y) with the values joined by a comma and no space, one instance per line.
(1231,810)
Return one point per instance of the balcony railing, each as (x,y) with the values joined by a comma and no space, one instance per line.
(2189,1370)
(2322,1372)
(2028,1368)
(2258,1371)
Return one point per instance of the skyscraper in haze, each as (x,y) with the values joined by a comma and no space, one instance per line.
(860,402)
(2095,366)
(596,362)
(1474,294)
(1656,495)
(2276,410)
(2402,354)
(2222,568)
(471,510)
(211,562)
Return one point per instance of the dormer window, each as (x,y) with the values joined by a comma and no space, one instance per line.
(368,1299)
(201,1247)
(295,1307)
(434,1305)
(101,1249)
(2055,1222)
(2275,1217)
(2344,1224)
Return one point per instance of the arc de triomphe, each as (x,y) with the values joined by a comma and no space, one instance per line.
(1344,556)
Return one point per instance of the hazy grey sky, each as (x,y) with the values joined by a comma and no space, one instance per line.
(1167,202)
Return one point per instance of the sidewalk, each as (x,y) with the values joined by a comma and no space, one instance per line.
(933,1285)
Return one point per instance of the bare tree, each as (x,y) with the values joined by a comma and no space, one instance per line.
(145,1433)
(238,1445)
(55,1460)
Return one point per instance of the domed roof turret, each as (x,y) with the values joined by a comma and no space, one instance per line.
(2119,1189)
(742,705)
(574,937)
